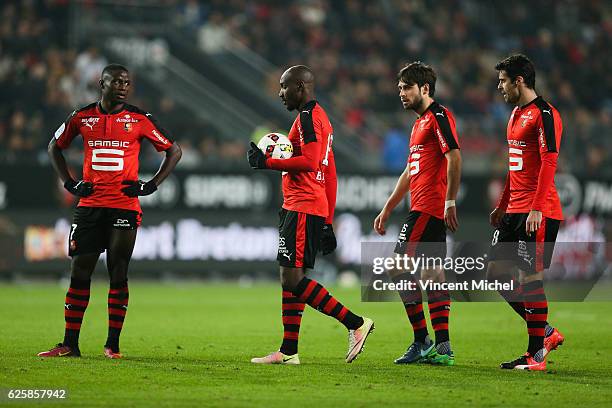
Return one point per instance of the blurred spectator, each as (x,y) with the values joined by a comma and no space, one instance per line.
(88,66)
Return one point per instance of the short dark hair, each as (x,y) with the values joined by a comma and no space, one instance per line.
(518,65)
(420,74)
(113,68)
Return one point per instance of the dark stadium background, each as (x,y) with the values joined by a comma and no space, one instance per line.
(209,71)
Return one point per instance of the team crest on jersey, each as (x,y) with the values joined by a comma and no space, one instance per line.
(423,122)
(90,122)
(526,118)
(127,127)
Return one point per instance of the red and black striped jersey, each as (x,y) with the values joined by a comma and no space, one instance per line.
(111,144)
(534,138)
(433,134)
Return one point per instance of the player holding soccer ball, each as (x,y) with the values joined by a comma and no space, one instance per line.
(528,214)
(432,177)
(108,213)
(309,190)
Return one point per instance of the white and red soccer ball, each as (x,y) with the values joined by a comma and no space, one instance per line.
(276,146)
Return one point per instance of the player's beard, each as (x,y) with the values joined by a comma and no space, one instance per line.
(513,96)
(418,101)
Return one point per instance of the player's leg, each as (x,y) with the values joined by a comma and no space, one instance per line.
(502,260)
(291,307)
(120,247)
(317,296)
(439,304)
(409,238)
(535,256)
(85,246)
(292,310)
(433,246)
(302,233)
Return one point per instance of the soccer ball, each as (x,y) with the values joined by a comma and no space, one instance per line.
(276,146)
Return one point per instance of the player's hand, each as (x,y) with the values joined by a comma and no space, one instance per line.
(496,216)
(450,218)
(380,221)
(328,239)
(79,188)
(139,188)
(534,219)
(257,159)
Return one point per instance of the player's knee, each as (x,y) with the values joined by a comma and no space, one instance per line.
(82,266)
(290,277)
(80,273)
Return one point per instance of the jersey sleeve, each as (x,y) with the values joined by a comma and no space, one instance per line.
(446,133)
(549,129)
(159,137)
(310,144)
(331,186)
(549,135)
(65,134)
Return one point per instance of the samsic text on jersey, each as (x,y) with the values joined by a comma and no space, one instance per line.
(533,133)
(111,144)
(433,134)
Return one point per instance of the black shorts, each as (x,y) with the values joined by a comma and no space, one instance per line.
(422,234)
(530,253)
(91,227)
(299,239)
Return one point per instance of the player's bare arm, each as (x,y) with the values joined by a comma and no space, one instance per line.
(79,188)
(500,210)
(399,192)
(173,155)
(453,159)
(144,188)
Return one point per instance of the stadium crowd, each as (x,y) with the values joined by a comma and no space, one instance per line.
(356,48)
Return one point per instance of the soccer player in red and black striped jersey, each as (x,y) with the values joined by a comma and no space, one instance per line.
(432,177)
(309,190)
(108,214)
(528,214)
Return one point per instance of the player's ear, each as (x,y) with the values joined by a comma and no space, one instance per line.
(425,88)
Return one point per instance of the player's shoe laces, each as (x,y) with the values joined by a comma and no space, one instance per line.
(527,362)
(277,358)
(553,341)
(60,350)
(357,338)
(416,352)
(442,355)
(109,353)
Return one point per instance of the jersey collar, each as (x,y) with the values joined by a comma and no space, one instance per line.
(102,111)
(309,105)
(433,104)
(529,103)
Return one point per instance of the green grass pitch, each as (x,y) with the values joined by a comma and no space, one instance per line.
(190,345)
